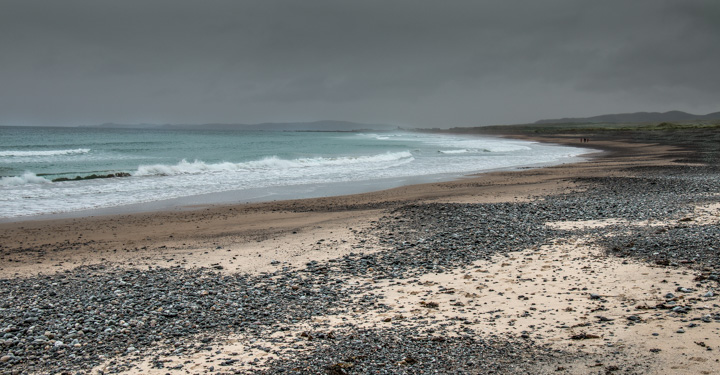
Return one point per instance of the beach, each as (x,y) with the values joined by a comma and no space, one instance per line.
(608,265)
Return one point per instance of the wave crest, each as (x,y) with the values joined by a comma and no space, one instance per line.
(463,151)
(450,152)
(270,163)
(11,153)
(26,178)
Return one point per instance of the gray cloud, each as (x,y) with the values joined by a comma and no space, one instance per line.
(411,62)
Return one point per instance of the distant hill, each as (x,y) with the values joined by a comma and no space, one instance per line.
(318,126)
(635,117)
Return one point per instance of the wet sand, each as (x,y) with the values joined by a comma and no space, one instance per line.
(562,298)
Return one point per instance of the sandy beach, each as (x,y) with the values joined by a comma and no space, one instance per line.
(604,266)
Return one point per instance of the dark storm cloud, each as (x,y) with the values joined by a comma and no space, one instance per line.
(411,62)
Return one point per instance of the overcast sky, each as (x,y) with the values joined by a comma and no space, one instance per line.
(406,62)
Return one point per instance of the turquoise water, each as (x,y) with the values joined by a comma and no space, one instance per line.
(71,152)
(170,164)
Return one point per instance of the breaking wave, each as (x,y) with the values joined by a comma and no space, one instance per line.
(270,163)
(26,178)
(463,151)
(76,151)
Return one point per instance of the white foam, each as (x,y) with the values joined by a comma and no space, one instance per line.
(480,144)
(444,157)
(271,163)
(18,153)
(450,152)
(476,144)
(26,178)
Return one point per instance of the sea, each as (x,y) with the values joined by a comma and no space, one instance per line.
(52,170)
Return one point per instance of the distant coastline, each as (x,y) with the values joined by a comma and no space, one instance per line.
(634,120)
(634,117)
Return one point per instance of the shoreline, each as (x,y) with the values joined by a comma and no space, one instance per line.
(292,192)
(157,225)
(533,267)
